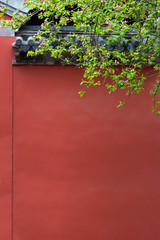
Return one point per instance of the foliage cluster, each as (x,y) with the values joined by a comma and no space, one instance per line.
(119,22)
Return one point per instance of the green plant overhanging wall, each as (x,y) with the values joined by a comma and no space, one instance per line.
(106,34)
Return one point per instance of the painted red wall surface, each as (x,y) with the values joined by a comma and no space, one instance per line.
(6,56)
(83,169)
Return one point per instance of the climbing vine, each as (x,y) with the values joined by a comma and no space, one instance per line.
(114,40)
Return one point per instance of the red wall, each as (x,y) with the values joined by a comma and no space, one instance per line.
(6,56)
(82,168)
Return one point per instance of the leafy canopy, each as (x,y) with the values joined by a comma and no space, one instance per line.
(103,30)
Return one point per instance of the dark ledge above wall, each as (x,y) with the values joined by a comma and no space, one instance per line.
(25,43)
